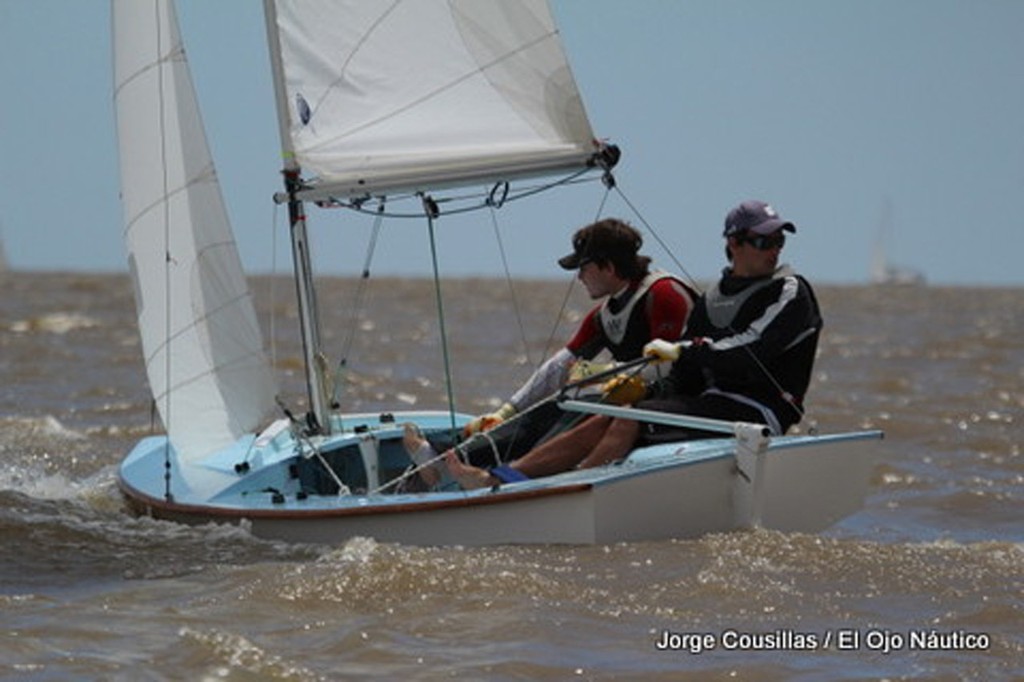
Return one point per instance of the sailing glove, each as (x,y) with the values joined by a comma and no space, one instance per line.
(584,369)
(487,422)
(624,389)
(666,351)
(663,351)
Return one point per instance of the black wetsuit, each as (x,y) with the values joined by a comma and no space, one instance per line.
(754,345)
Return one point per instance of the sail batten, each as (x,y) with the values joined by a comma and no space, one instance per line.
(201,341)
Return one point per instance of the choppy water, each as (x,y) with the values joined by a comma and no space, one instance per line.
(926,583)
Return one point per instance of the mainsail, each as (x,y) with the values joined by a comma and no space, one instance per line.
(378,97)
(202,343)
(391,95)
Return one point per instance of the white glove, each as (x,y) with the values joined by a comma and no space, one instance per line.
(487,422)
(663,351)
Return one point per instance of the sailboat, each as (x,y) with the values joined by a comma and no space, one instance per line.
(491,101)
(4,264)
(883,272)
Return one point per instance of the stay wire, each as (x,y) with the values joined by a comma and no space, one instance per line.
(432,212)
(661,242)
(552,335)
(358,301)
(509,281)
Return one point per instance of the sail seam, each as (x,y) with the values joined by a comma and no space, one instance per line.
(199,322)
(480,70)
(208,174)
(241,361)
(176,54)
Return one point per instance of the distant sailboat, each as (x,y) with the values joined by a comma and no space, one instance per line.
(5,266)
(381,99)
(882,271)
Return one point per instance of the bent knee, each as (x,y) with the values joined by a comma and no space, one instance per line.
(624,426)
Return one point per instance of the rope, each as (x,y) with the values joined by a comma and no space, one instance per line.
(508,275)
(407,474)
(572,285)
(481,199)
(494,447)
(463,448)
(343,490)
(650,228)
(552,335)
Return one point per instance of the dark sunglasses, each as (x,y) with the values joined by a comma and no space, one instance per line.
(765,242)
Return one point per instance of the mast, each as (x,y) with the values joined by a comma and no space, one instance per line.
(319,404)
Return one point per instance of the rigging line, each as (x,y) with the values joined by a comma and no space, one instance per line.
(484,198)
(650,228)
(511,285)
(572,281)
(550,342)
(301,439)
(274,221)
(519,424)
(358,299)
(431,210)
(412,471)
(601,205)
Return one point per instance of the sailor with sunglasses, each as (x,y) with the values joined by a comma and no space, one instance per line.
(752,337)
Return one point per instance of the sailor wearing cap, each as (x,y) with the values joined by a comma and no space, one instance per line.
(637,306)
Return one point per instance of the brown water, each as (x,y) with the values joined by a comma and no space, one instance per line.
(926,583)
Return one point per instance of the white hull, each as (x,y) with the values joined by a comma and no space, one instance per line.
(679,490)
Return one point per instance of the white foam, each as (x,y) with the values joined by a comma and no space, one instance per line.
(54,323)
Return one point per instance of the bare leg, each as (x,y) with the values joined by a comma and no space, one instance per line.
(468,476)
(420,452)
(564,451)
(619,438)
(559,454)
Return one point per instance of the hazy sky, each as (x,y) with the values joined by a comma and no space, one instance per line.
(831,110)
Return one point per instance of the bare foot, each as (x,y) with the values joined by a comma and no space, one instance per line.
(416,446)
(420,452)
(468,476)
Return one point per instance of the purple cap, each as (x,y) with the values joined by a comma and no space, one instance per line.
(757,217)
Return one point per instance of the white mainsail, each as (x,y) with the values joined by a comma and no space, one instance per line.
(391,95)
(202,343)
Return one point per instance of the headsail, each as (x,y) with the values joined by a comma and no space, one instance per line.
(202,343)
(384,96)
